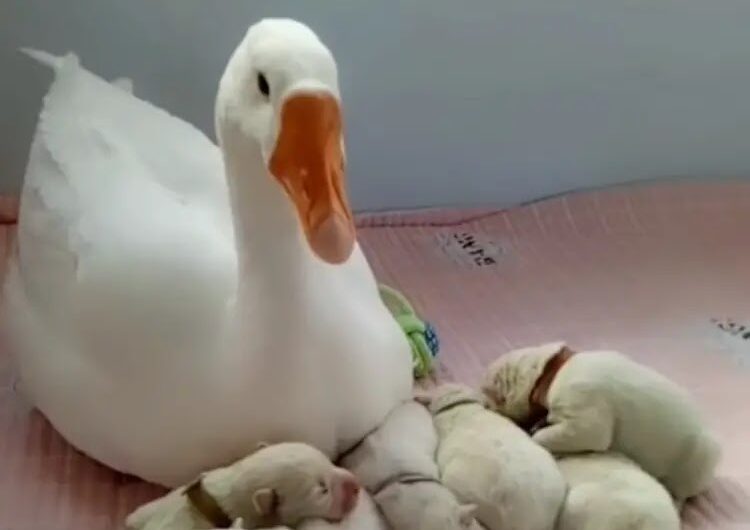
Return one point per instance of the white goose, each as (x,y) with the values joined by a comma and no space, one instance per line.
(165,326)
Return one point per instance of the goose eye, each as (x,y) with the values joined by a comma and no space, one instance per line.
(263,86)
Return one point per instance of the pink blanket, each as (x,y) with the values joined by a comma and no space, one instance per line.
(655,271)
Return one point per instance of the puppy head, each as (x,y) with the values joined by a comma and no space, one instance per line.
(509,381)
(294,481)
(446,395)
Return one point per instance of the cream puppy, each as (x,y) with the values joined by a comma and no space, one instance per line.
(488,461)
(609,491)
(279,484)
(419,504)
(396,464)
(365,516)
(600,401)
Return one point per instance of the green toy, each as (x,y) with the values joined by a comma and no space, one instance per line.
(421,335)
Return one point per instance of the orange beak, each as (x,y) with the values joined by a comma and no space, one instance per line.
(309,163)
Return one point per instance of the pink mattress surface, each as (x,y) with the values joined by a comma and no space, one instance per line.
(659,272)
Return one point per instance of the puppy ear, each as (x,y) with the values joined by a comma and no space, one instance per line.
(265,502)
(466,514)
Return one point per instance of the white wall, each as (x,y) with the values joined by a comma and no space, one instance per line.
(447,101)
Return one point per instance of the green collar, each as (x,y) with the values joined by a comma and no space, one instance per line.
(456,404)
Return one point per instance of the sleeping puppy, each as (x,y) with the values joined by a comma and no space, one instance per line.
(609,491)
(600,401)
(364,516)
(425,505)
(488,461)
(279,484)
(396,464)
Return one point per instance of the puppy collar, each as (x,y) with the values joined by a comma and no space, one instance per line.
(538,394)
(405,478)
(207,505)
(456,404)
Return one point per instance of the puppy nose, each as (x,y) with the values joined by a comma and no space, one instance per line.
(350,492)
(351,487)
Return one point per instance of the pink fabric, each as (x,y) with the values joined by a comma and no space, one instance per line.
(641,269)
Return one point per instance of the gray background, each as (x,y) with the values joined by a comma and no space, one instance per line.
(447,101)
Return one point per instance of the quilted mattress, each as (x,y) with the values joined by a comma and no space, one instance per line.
(659,272)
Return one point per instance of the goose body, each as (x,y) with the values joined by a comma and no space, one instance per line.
(172,303)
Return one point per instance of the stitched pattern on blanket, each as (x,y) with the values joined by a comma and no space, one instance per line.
(469,249)
(733,328)
(735,340)
(639,269)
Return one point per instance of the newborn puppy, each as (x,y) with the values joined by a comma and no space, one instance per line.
(609,491)
(600,401)
(418,504)
(364,516)
(396,463)
(488,461)
(277,485)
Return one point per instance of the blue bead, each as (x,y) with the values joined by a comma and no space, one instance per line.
(431,337)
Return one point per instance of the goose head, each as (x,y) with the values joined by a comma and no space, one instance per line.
(279,100)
